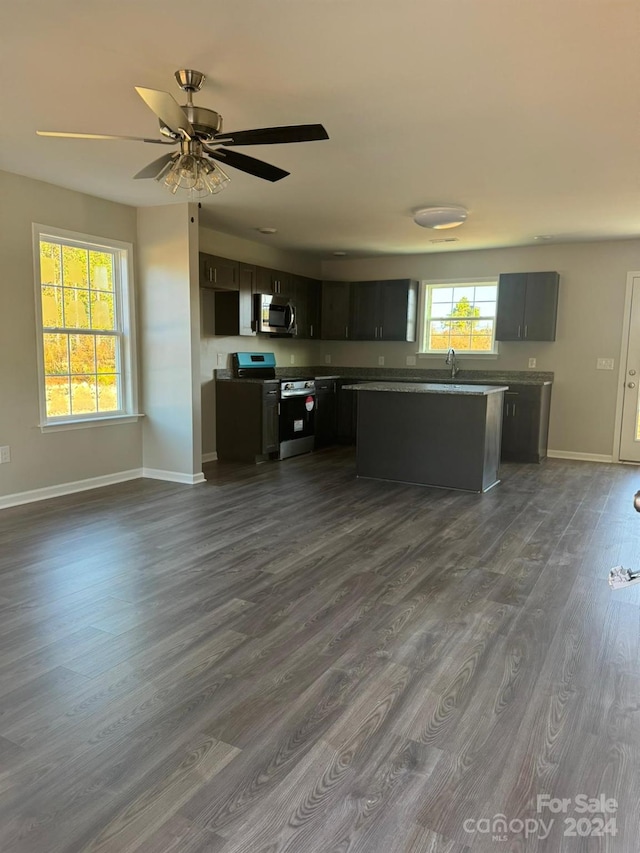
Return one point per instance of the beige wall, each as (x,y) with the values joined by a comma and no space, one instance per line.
(593,280)
(215,351)
(169,338)
(39,460)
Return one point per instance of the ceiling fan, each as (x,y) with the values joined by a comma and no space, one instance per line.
(198,132)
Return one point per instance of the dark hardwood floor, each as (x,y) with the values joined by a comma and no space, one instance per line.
(289,660)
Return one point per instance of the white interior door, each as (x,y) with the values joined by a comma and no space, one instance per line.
(630,432)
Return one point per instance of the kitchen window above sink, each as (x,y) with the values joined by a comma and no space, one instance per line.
(459,315)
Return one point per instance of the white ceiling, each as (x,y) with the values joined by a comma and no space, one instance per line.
(527,112)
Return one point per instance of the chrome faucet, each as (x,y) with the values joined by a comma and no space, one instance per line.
(451,359)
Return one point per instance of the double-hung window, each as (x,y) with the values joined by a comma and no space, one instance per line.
(459,315)
(85,328)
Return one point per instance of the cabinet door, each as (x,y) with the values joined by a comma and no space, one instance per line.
(512,288)
(335,311)
(398,302)
(220,273)
(270,420)
(365,311)
(313,307)
(273,281)
(246,280)
(326,412)
(347,413)
(306,301)
(521,424)
(541,306)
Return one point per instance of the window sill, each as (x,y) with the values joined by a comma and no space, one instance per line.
(460,356)
(58,426)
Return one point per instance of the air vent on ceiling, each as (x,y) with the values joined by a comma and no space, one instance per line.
(445,240)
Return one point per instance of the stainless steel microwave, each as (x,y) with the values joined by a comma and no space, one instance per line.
(274,314)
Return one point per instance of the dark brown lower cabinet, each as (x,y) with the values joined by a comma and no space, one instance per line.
(347,412)
(326,412)
(247,421)
(525,423)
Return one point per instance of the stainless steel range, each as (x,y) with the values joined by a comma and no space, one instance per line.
(297,416)
(297,406)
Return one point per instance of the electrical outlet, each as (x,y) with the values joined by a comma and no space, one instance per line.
(327,359)
(532,362)
(380,361)
(5,454)
(411,361)
(605,364)
(292,359)
(221,359)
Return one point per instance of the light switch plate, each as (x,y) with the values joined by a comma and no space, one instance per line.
(532,362)
(221,359)
(411,361)
(327,359)
(380,361)
(5,454)
(292,358)
(605,364)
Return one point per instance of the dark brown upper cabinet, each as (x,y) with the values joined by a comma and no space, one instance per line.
(527,306)
(234,308)
(384,310)
(335,317)
(274,281)
(305,295)
(218,273)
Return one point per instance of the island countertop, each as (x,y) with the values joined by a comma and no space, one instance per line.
(427,388)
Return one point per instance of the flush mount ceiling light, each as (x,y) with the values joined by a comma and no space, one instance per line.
(444,216)
(264,229)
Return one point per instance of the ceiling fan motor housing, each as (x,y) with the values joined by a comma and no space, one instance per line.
(206,123)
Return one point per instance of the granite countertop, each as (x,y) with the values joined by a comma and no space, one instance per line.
(393,374)
(428,388)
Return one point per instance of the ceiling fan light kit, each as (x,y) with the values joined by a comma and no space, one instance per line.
(443,216)
(196,174)
(198,130)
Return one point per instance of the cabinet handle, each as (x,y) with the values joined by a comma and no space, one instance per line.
(346,331)
(311,330)
(210,271)
(375,332)
(514,409)
(519,327)
(215,275)
(526,332)
(381,332)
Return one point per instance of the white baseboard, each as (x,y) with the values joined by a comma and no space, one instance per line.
(173,476)
(209,457)
(68,488)
(580,457)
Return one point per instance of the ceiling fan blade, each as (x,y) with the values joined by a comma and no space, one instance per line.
(156,169)
(248,164)
(274,135)
(167,109)
(102,136)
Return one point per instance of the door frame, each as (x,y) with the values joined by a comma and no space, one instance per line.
(622,366)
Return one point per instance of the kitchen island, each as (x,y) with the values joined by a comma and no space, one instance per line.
(445,435)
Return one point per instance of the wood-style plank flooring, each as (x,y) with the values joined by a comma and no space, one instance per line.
(289,660)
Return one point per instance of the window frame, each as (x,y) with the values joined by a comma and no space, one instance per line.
(426,286)
(125,321)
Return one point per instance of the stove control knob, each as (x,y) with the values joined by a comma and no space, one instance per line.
(288,386)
